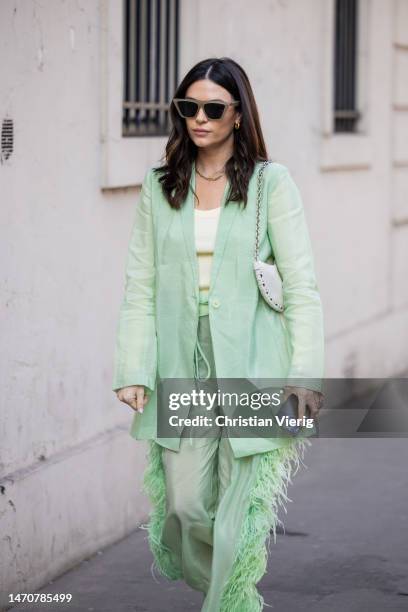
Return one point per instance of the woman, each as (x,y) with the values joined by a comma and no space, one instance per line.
(193,310)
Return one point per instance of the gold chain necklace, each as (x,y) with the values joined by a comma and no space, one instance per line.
(210,178)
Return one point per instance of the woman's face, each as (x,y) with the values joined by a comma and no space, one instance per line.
(216,131)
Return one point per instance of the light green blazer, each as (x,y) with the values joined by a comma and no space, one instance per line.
(157,327)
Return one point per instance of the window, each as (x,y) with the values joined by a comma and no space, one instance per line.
(346,118)
(151,58)
(346,113)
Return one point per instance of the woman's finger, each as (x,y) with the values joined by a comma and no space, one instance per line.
(314,410)
(301,405)
(130,399)
(314,404)
(140,394)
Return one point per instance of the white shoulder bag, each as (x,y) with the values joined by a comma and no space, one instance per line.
(267,275)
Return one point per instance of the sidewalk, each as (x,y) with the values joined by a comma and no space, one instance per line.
(345,547)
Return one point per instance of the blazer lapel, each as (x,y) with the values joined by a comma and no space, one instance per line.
(225,221)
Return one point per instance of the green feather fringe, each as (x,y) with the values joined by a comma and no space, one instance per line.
(154,485)
(268,493)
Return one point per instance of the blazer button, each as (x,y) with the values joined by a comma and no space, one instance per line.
(215,303)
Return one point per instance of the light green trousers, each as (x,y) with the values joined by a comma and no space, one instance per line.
(212,514)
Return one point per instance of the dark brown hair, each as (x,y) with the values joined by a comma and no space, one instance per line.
(249,144)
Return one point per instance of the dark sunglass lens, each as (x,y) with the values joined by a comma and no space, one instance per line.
(214,110)
(188,108)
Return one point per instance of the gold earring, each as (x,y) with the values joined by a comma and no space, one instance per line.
(236,125)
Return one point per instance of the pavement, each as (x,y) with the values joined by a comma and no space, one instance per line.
(344,549)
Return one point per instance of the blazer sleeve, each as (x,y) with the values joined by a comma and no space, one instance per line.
(135,357)
(291,246)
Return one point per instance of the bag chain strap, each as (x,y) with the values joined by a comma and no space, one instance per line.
(258,206)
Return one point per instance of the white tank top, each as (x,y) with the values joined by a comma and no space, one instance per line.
(205,227)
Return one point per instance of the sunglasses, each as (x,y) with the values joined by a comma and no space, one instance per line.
(214,109)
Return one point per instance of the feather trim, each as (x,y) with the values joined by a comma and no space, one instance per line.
(269,491)
(154,485)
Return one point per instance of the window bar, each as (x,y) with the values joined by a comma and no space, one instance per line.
(143,61)
(131,59)
(148,60)
(130,73)
(167,57)
(176,42)
(157,62)
(345,65)
(137,63)
(348,60)
(353,77)
(126,26)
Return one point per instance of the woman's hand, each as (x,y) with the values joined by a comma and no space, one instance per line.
(135,396)
(306,397)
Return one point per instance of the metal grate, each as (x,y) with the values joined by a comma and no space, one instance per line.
(151,57)
(7,139)
(345,68)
